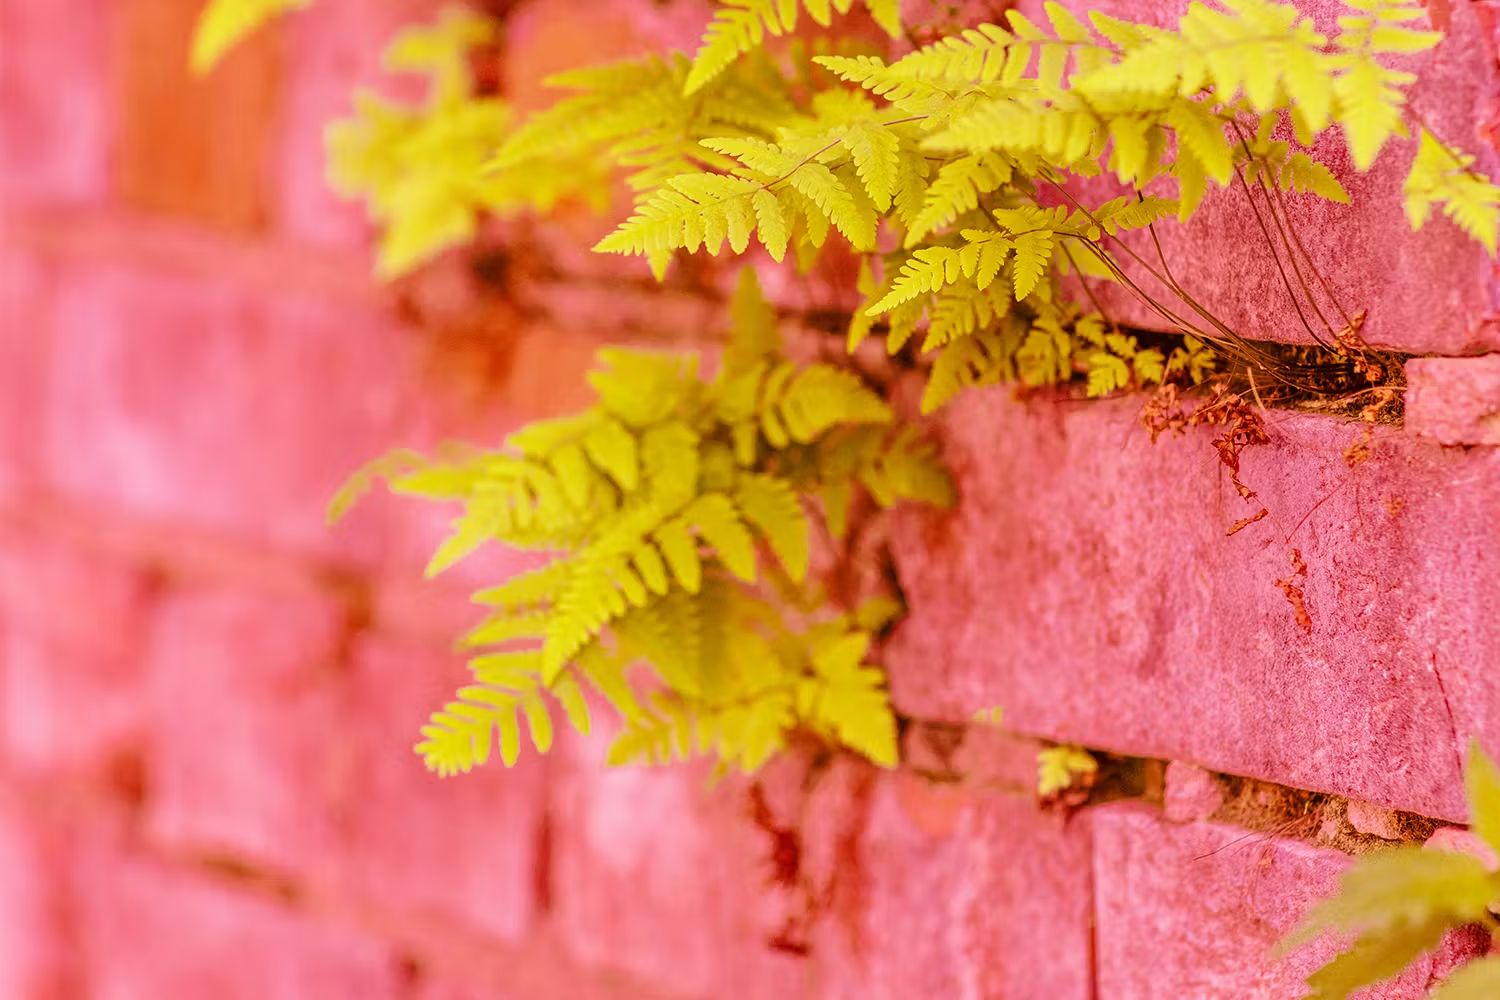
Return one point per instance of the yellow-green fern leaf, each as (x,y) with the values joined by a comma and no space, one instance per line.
(718,522)
(1032,252)
(822,397)
(225,23)
(1444,177)
(690,211)
(770,505)
(875,151)
(737,27)
(956,190)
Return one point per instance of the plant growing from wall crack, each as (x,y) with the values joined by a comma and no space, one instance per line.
(956,174)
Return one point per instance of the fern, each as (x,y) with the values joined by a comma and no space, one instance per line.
(741,26)
(1442,177)
(662,498)
(1060,768)
(225,23)
(420,169)
(1398,903)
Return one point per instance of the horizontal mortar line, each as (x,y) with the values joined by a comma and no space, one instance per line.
(186,555)
(137,240)
(1039,742)
(442,943)
(212,558)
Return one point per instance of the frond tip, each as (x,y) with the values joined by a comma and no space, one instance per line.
(225,23)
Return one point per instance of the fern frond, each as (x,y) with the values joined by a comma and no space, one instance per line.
(821,397)
(461,735)
(692,210)
(956,190)
(1368,96)
(1444,177)
(225,23)
(740,26)
(981,359)
(847,699)
(771,506)
(908,467)
(737,27)
(836,203)
(526,590)
(876,152)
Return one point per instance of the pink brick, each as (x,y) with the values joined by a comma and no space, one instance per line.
(659,876)
(55,133)
(1192,793)
(1192,911)
(461,849)
(1085,583)
(1430,291)
(249,753)
(147,930)
(25,304)
(31,948)
(219,407)
(1454,400)
(72,667)
(1373,820)
(958,894)
(333,49)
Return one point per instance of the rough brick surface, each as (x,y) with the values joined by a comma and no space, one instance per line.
(462,849)
(149,931)
(1206,904)
(248,754)
(1430,291)
(1086,584)
(1454,400)
(955,894)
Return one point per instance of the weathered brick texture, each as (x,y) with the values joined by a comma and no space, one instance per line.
(208,697)
(1195,910)
(1086,583)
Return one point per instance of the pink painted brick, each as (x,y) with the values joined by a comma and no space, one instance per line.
(333,49)
(1452,838)
(460,849)
(660,876)
(32,957)
(72,628)
(1085,583)
(1368,818)
(147,931)
(249,753)
(1193,911)
(1430,291)
(55,130)
(955,894)
(1192,793)
(26,297)
(1454,400)
(220,407)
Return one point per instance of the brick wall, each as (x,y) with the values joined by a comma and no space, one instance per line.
(207,697)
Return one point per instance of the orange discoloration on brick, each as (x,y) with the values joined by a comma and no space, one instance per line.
(192,147)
